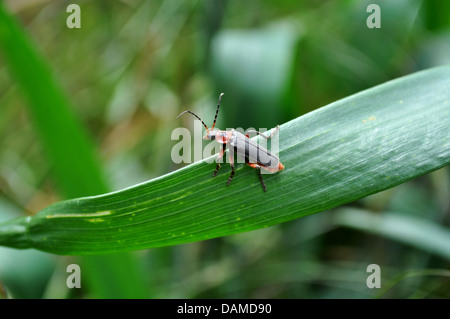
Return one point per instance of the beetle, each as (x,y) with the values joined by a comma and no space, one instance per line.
(254,154)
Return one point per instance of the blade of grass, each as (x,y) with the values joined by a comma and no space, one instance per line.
(414,231)
(352,148)
(76,167)
(411,274)
(66,143)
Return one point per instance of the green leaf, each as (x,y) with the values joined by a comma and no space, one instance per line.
(254,81)
(357,146)
(411,230)
(75,166)
(70,150)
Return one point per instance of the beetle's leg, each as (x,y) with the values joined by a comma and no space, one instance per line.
(261,179)
(256,166)
(275,131)
(219,157)
(232,165)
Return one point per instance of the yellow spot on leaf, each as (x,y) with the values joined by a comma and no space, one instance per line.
(79,215)
(372,118)
(96,220)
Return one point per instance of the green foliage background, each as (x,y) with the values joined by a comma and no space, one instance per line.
(133,66)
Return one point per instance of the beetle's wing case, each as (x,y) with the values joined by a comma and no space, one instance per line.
(252,151)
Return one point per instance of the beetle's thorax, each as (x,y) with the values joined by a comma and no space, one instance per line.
(219,136)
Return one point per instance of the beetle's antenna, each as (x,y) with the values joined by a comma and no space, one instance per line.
(196,117)
(217,111)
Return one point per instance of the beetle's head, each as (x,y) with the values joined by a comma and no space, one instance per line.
(210,135)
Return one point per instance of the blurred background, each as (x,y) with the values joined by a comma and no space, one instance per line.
(134,65)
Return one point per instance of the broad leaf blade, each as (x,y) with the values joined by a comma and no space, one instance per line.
(349,149)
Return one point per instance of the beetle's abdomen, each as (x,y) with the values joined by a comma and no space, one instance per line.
(253,153)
